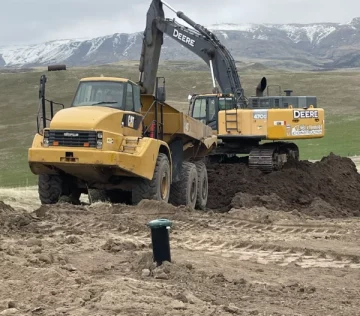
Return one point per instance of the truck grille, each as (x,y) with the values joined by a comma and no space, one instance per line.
(72,138)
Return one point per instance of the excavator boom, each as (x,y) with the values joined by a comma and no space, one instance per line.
(199,40)
(151,48)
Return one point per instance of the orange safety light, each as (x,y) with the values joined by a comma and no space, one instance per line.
(56,143)
(86,145)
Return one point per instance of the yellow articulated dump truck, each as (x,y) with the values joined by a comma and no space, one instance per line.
(117,143)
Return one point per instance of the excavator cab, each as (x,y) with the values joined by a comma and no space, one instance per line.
(205,108)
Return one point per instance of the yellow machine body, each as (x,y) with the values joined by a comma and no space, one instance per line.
(125,151)
(273,124)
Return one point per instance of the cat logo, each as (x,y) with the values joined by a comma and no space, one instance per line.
(131,120)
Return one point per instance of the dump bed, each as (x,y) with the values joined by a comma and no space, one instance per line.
(177,124)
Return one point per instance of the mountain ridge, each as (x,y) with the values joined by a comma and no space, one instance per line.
(312,46)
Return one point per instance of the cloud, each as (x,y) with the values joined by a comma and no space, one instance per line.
(33,21)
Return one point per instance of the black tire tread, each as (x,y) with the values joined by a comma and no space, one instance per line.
(49,188)
(146,189)
(200,167)
(179,188)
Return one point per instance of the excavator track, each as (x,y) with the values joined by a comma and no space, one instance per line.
(272,156)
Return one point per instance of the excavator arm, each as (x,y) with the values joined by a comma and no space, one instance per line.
(199,40)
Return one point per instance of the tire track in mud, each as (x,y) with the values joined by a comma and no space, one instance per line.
(270,253)
(229,245)
(233,238)
(238,247)
(247,225)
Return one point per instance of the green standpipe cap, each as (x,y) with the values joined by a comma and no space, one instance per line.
(158,223)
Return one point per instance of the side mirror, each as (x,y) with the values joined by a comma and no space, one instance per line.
(161,94)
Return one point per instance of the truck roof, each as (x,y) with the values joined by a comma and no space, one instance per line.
(107,79)
(214,94)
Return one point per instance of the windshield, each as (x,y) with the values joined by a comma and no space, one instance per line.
(106,93)
(226,104)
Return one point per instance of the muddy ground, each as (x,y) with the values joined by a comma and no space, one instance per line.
(328,188)
(258,259)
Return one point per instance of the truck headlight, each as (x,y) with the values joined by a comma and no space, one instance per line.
(46,138)
(99,140)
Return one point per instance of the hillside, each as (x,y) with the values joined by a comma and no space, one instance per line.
(301,46)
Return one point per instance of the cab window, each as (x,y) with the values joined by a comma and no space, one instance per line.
(199,110)
(100,93)
(211,110)
(129,103)
(137,102)
(226,104)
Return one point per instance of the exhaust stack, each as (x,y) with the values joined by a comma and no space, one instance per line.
(261,87)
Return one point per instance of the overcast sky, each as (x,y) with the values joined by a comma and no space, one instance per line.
(34,21)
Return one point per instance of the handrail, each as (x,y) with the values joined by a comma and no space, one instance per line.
(145,115)
(148,111)
(41,117)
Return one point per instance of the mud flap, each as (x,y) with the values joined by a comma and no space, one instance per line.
(177,156)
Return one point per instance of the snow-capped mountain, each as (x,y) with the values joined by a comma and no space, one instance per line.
(317,45)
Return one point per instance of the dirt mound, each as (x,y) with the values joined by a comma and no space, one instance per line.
(11,218)
(272,201)
(330,187)
(6,209)
(147,207)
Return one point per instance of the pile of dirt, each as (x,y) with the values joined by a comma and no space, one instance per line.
(11,218)
(330,187)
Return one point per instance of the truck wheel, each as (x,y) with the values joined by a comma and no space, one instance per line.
(202,195)
(184,192)
(159,187)
(49,188)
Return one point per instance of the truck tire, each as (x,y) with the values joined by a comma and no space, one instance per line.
(184,192)
(158,188)
(202,195)
(49,188)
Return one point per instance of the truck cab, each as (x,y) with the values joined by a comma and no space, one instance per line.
(117,93)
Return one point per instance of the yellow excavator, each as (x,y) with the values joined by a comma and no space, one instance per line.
(240,123)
